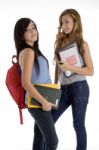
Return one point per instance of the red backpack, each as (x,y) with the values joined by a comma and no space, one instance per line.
(14,85)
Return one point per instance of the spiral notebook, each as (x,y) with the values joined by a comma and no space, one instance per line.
(70,54)
(51,92)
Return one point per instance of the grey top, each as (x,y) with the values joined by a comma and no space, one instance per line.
(71,79)
(68,80)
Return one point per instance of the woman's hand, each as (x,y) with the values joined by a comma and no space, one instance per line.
(64,66)
(47,106)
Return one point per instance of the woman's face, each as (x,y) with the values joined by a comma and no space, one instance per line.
(67,24)
(30,35)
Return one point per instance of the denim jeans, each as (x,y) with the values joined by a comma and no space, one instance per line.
(45,132)
(75,95)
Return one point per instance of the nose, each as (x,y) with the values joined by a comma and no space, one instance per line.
(32,31)
(63,26)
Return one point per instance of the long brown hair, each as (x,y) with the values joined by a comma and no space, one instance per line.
(75,36)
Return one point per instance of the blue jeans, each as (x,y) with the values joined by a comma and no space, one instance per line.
(75,95)
(45,130)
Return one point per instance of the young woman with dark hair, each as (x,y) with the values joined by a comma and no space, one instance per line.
(35,70)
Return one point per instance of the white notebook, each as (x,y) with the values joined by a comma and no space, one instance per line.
(70,54)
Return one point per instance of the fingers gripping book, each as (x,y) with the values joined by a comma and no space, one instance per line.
(50,92)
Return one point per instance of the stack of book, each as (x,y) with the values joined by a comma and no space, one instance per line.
(50,92)
(70,54)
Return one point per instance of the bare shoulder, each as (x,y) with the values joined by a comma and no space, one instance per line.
(85,45)
(26,54)
(28,51)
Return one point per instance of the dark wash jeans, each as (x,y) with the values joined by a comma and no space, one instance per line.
(45,130)
(75,95)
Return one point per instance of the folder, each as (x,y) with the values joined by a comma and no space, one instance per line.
(70,54)
(50,92)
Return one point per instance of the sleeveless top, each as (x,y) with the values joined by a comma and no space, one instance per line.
(71,79)
(43,77)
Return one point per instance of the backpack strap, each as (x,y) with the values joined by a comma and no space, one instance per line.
(21,116)
(14,56)
(20,110)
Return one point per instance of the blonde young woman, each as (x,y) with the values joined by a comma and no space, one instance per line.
(75,89)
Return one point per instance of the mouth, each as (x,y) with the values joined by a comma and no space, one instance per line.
(66,31)
(33,36)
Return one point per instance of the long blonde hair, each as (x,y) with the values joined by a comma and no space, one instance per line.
(75,36)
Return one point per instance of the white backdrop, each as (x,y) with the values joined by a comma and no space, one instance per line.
(45,13)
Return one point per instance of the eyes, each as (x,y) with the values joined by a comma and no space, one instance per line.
(30,29)
(67,22)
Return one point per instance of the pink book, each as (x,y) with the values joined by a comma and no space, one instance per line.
(70,54)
